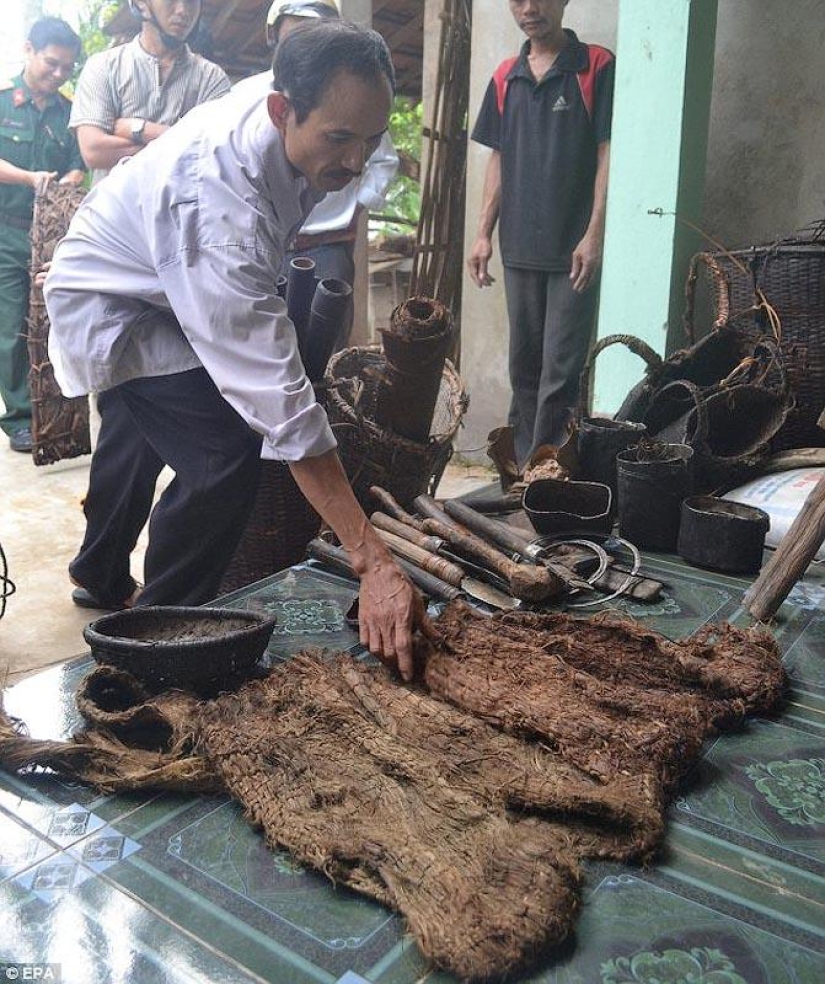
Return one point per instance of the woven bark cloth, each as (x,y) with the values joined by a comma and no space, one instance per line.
(60,426)
(475,834)
(610,695)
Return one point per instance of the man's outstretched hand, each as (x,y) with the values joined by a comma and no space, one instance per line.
(390,610)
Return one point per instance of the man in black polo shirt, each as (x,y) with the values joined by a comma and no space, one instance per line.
(546,117)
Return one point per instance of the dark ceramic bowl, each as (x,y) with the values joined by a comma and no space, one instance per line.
(199,649)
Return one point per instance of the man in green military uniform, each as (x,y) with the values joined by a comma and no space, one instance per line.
(36,147)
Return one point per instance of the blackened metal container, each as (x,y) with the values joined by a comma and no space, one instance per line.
(722,535)
(653,480)
(554,505)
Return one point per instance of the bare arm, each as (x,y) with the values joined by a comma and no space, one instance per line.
(587,256)
(389,606)
(102,150)
(488,217)
(36,180)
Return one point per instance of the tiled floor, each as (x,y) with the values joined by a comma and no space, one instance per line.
(179,888)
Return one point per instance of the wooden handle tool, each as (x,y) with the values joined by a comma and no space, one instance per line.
(427,561)
(394,508)
(503,535)
(490,529)
(451,573)
(382,521)
(336,558)
(525,581)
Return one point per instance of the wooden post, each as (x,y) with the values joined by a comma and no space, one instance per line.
(789,562)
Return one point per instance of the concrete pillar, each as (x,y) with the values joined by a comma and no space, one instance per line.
(659,144)
(484,325)
(432,38)
(360,12)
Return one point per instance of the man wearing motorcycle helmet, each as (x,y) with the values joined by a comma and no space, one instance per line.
(288,14)
(129,95)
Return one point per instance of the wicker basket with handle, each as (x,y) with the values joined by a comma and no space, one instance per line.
(790,277)
(372,454)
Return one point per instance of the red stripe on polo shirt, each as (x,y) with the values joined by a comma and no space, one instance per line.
(500,80)
(599,57)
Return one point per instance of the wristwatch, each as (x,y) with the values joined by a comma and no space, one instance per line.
(138,126)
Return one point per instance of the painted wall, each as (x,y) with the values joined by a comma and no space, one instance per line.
(765,159)
(766,170)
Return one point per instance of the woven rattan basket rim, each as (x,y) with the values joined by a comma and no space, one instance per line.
(456,401)
(257,621)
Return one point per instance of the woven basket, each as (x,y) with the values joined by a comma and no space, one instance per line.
(791,277)
(276,535)
(727,396)
(199,649)
(373,455)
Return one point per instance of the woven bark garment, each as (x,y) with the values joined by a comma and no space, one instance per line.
(134,739)
(325,766)
(60,426)
(612,696)
(620,820)
(385,789)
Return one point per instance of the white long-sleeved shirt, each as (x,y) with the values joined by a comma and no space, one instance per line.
(337,209)
(171,264)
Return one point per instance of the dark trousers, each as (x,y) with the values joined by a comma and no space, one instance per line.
(181,421)
(15,252)
(551,327)
(332,260)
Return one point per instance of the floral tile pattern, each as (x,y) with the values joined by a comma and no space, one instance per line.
(639,933)
(765,784)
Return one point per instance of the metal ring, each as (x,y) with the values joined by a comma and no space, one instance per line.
(601,553)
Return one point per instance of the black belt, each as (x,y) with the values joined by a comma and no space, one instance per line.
(15,221)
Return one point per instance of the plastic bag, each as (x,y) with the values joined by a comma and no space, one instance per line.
(781,496)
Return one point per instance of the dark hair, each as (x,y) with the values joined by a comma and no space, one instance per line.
(53,30)
(307,60)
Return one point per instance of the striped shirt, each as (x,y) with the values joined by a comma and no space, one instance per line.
(125,81)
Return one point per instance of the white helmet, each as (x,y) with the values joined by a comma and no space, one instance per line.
(168,39)
(317,9)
